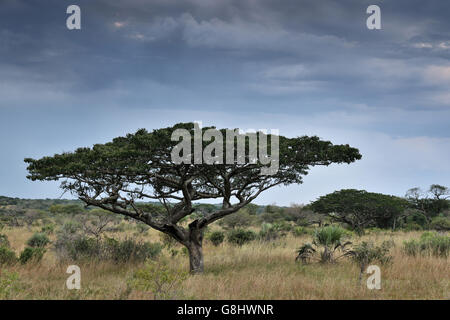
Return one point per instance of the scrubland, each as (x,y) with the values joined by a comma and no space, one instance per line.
(255,270)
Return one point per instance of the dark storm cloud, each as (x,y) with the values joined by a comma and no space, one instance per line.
(237,45)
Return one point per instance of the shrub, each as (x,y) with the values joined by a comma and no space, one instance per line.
(305,253)
(329,239)
(417,217)
(328,236)
(216,237)
(130,250)
(85,248)
(412,226)
(48,229)
(9,284)
(38,240)
(156,277)
(7,256)
(270,232)
(366,253)
(300,231)
(31,254)
(429,243)
(4,242)
(241,236)
(440,224)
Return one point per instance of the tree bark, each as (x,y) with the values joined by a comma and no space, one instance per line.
(195,258)
(195,249)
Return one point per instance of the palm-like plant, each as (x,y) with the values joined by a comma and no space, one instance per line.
(305,253)
(329,238)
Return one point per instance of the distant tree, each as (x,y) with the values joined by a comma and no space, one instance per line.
(240,219)
(439,192)
(117,175)
(430,203)
(360,209)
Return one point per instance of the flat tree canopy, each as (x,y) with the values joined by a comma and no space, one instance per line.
(118,175)
(360,209)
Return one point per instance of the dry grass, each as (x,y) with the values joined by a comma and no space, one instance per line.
(253,271)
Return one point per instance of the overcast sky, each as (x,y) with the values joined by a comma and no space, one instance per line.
(303,67)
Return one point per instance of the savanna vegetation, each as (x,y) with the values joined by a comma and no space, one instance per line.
(140,229)
(264,252)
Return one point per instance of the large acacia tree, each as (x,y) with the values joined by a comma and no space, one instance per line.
(118,176)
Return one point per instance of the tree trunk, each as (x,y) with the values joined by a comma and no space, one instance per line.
(194,247)
(195,258)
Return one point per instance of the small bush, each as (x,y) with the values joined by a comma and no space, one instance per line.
(241,236)
(440,224)
(48,229)
(328,236)
(326,242)
(412,226)
(305,253)
(429,243)
(156,277)
(216,237)
(270,232)
(130,250)
(4,242)
(31,254)
(9,284)
(38,240)
(300,231)
(85,248)
(7,256)
(366,253)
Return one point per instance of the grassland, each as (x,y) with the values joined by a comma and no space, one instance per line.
(257,270)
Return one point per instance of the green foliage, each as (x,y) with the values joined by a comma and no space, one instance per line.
(360,209)
(31,254)
(84,248)
(48,229)
(270,232)
(216,237)
(38,240)
(4,242)
(66,209)
(130,250)
(7,256)
(412,226)
(156,277)
(9,284)
(328,236)
(440,223)
(240,236)
(305,253)
(366,253)
(432,202)
(300,231)
(239,219)
(430,243)
(326,241)
(416,218)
